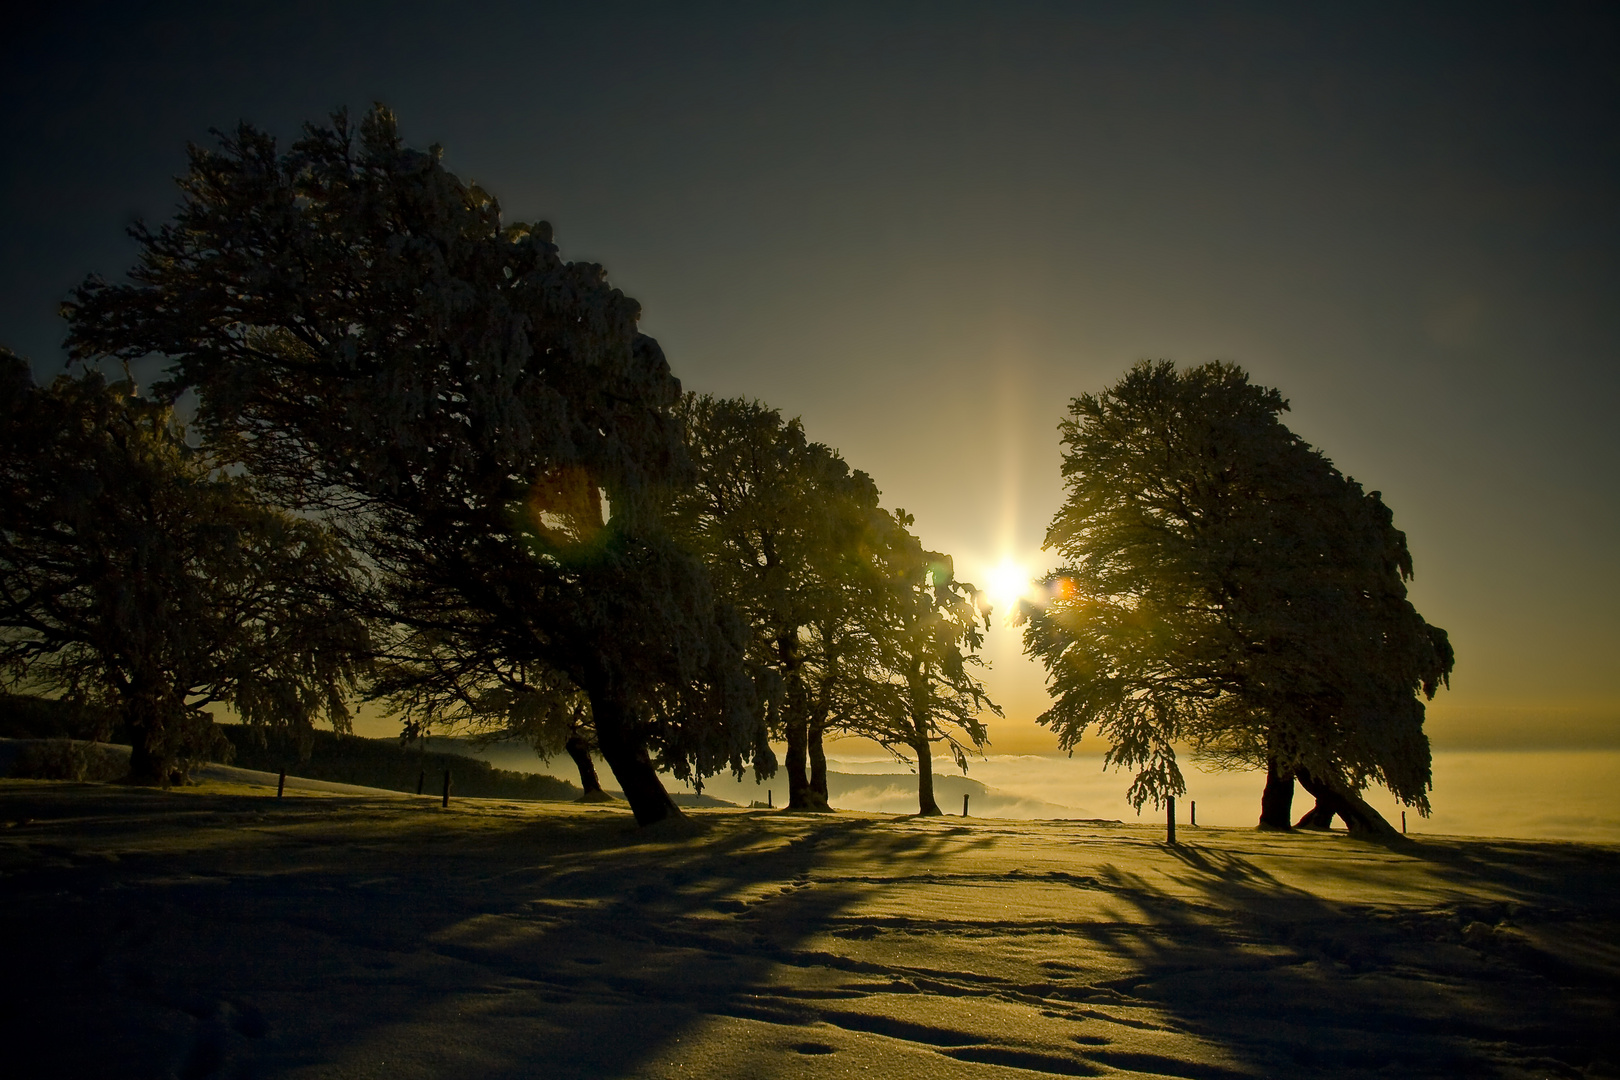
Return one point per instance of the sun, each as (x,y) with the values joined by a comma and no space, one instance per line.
(1007,583)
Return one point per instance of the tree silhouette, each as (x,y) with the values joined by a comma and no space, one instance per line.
(134,573)
(932,626)
(483,419)
(780,521)
(1225,586)
(863,629)
(852,634)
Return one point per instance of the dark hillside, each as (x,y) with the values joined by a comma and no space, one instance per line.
(346,759)
(385,763)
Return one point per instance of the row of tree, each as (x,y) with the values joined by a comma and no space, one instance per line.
(434,462)
(855,625)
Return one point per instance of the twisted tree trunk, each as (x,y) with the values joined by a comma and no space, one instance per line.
(1277,800)
(798,748)
(820,710)
(1318,817)
(622,749)
(917,680)
(157,731)
(1362,819)
(797,723)
(148,764)
(818,761)
(579,748)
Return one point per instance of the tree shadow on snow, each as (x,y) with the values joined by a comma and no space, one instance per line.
(325,936)
(1324,978)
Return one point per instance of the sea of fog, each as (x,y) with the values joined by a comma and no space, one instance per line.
(1545,794)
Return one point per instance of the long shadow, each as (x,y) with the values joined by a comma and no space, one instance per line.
(1539,871)
(1340,982)
(196,936)
(201,936)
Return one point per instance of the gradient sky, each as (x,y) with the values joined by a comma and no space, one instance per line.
(925,227)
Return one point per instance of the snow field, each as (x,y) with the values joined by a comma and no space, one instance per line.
(218,931)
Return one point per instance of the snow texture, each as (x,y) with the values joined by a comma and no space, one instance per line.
(217,931)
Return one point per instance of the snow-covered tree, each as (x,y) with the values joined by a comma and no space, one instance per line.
(483,419)
(136,574)
(930,629)
(1224,586)
(781,522)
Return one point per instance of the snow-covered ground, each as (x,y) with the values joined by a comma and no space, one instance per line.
(217,931)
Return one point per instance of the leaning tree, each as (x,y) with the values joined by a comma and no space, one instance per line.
(137,574)
(1225,587)
(484,420)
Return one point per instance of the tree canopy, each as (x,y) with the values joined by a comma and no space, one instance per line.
(136,574)
(933,626)
(863,630)
(482,419)
(1224,586)
(782,523)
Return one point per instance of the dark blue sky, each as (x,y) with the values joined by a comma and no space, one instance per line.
(925,227)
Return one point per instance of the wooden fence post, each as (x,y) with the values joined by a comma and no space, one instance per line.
(1170,819)
(446,800)
(281,786)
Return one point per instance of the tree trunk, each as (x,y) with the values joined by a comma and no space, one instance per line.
(1277,801)
(627,757)
(797,723)
(820,710)
(146,765)
(798,748)
(1319,817)
(818,763)
(926,806)
(579,748)
(151,759)
(921,722)
(1362,819)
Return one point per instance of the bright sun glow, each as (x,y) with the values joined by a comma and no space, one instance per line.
(1006,584)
